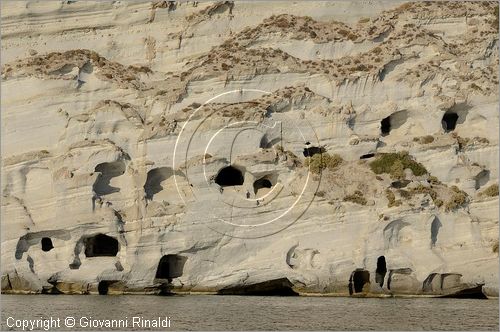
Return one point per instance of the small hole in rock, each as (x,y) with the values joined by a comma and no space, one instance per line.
(47,244)
(368,155)
(449,121)
(311,151)
(385,126)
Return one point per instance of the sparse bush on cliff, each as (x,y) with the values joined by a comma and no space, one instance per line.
(357,197)
(394,163)
(495,247)
(320,161)
(424,139)
(438,202)
(420,189)
(491,191)
(458,199)
(392,198)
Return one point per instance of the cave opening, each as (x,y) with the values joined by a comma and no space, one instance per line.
(311,151)
(262,183)
(358,280)
(380,271)
(393,121)
(385,126)
(101,245)
(229,176)
(103,287)
(170,267)
(47,244)
(449,121)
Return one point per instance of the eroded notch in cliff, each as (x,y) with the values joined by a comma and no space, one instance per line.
(393,121)
(229,176)
(108,171)
(275,287)
(154,179)
(100,245)
(170,267)
(263,185)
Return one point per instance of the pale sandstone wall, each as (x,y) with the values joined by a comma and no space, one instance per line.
(96,97)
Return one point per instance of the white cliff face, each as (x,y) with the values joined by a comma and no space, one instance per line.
(167,146)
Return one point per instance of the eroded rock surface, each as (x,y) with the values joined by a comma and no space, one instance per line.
(246,148)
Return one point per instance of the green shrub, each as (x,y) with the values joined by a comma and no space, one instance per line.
(357,197)
(397,170)
(320,161)
(391,163)
(491,190)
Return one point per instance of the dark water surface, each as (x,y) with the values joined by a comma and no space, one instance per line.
(205,312)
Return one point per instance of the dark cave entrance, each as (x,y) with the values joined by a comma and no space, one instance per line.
(100,245)
(170,266)
(380,271)
(47,244)
(103,286)
(262,183)
(229,176)
(449,121)
(385,126)
(311,151)
(358,280)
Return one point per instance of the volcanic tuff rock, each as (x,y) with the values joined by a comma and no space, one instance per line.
(310,147)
